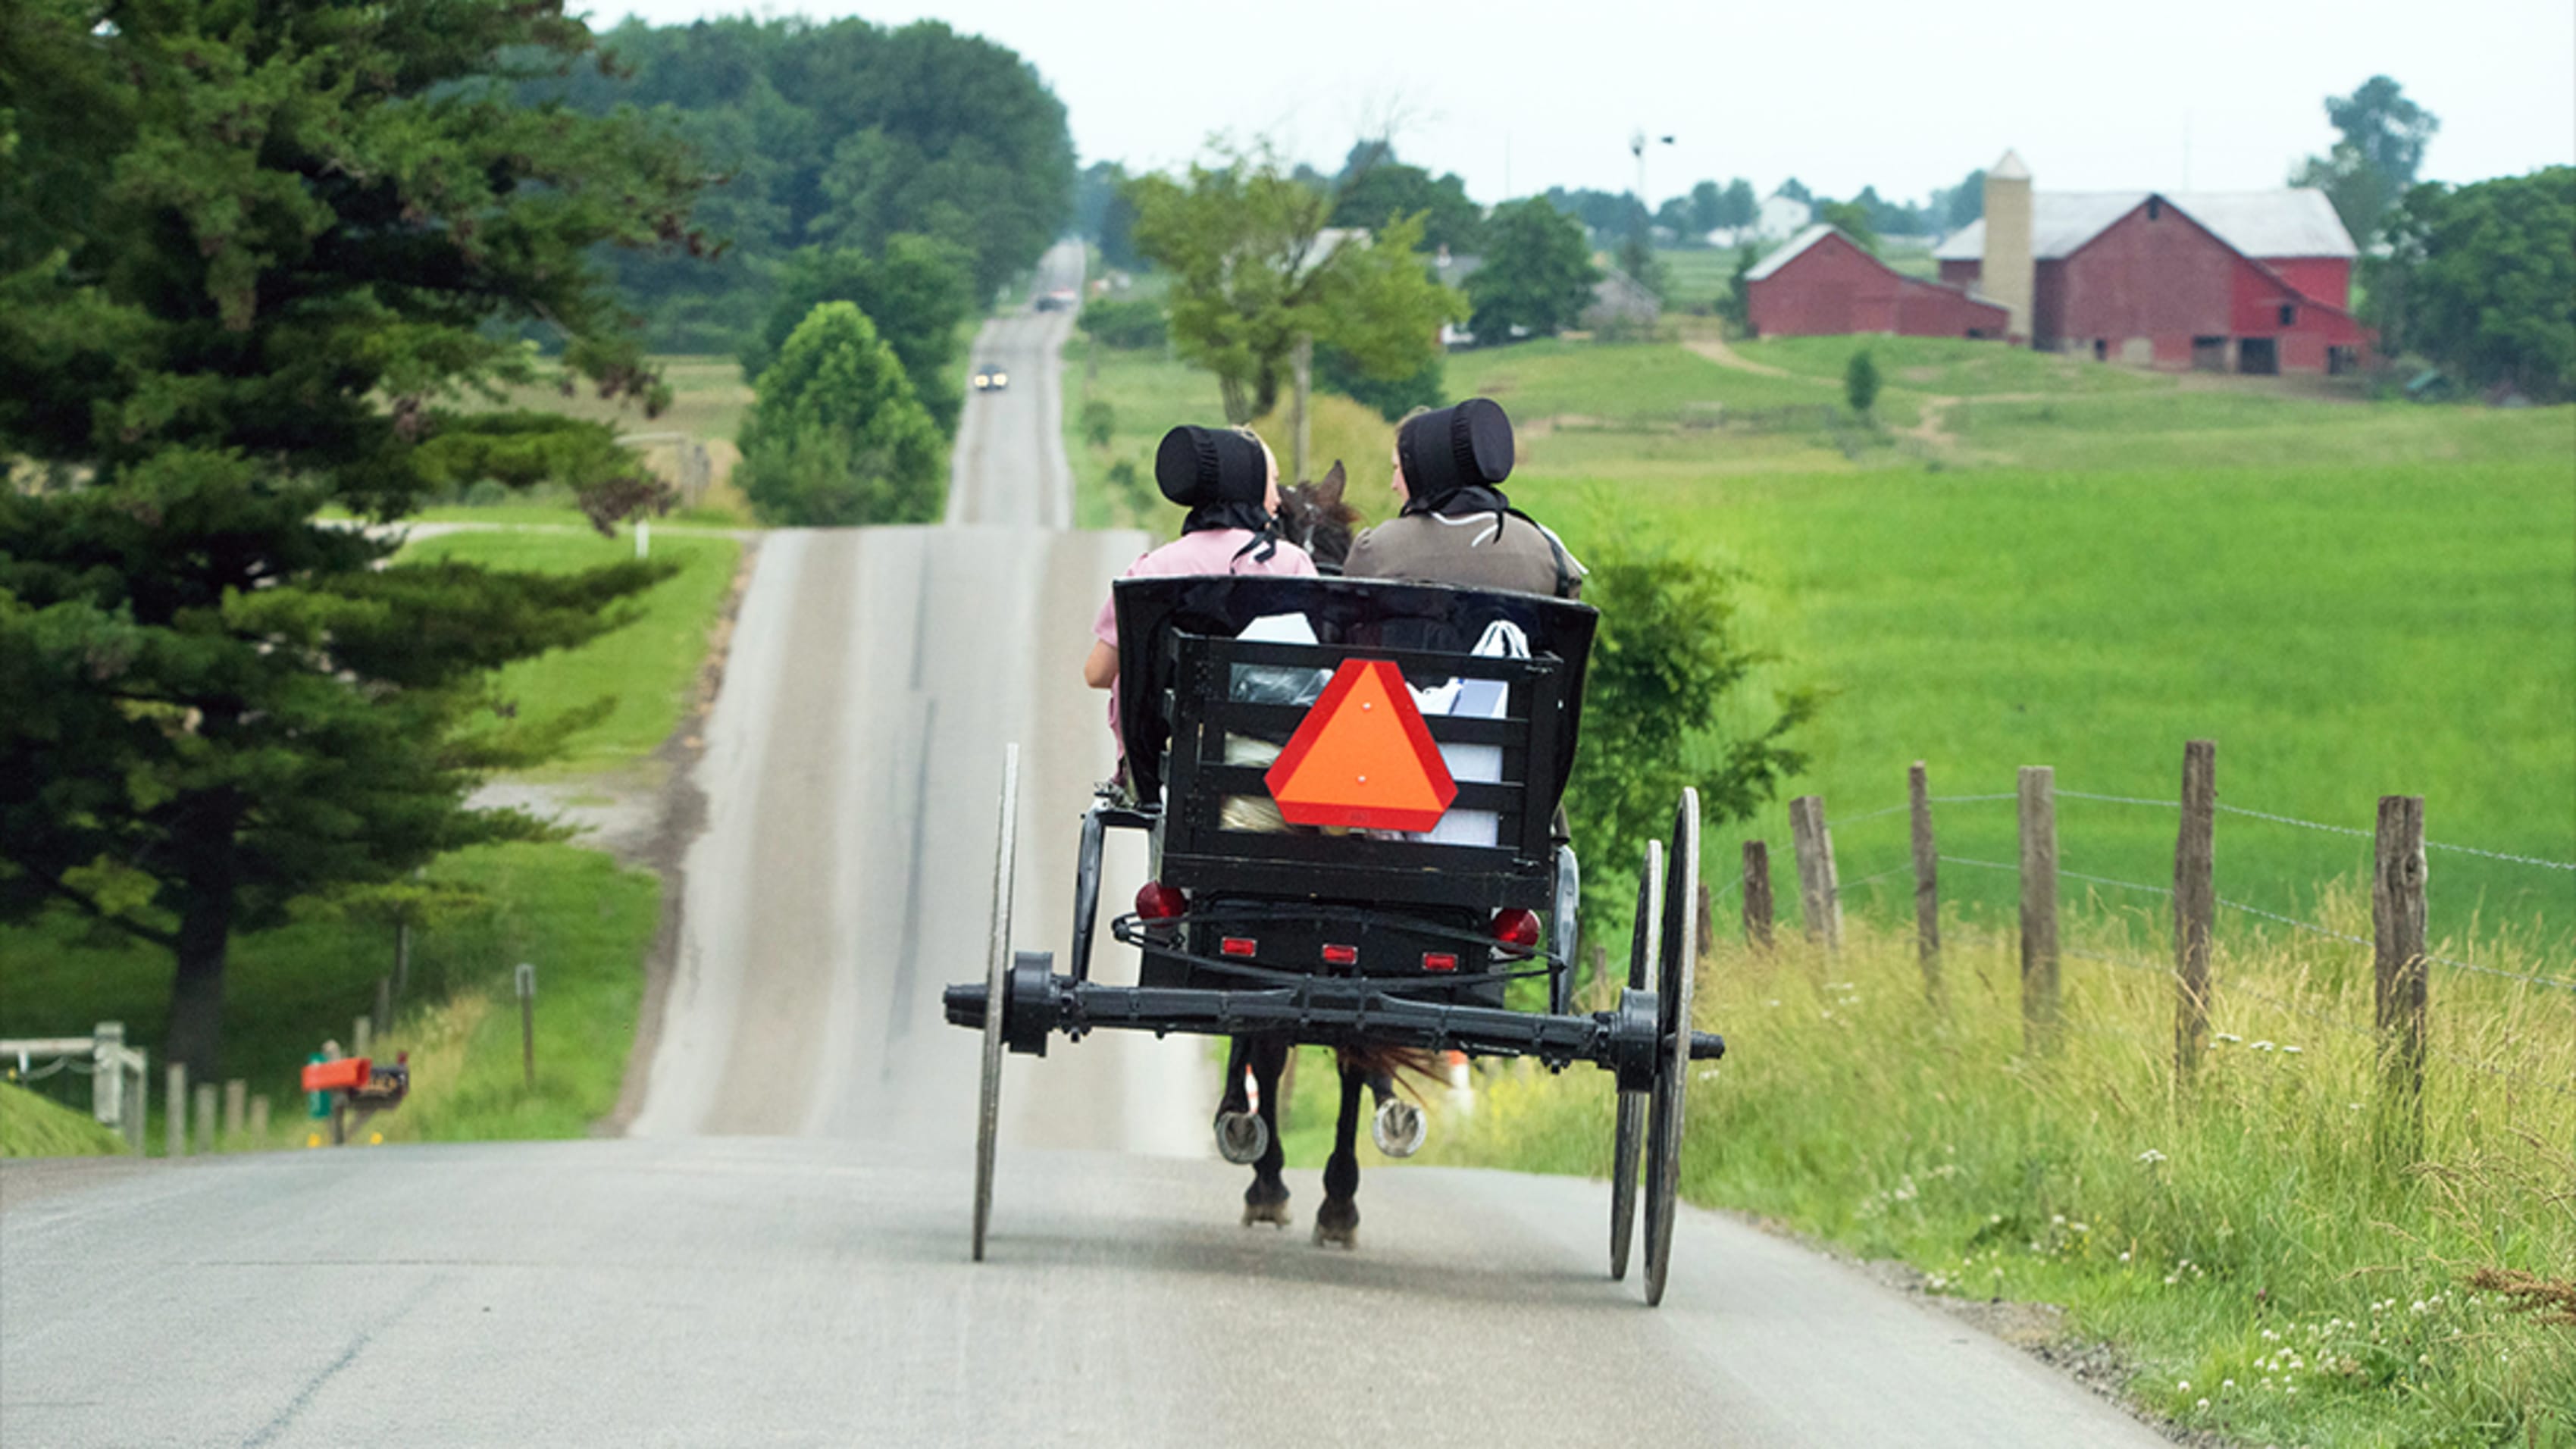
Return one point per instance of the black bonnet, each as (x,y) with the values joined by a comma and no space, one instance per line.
(1199,466)
(1466,446)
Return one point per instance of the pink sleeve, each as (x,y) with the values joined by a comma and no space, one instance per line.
(1104,626)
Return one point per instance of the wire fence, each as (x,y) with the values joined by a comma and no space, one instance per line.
(2536,979)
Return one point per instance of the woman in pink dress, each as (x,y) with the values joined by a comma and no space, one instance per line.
(1229,482)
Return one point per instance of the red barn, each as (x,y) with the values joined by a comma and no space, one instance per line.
(2256,282)
(1822,283)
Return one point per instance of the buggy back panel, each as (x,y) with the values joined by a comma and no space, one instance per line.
(1205,713)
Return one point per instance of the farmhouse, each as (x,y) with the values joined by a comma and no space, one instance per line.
(1823,283)
(2256,282)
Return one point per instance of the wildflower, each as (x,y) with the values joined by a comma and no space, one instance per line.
(2172,1278)
(2262,1046)
(2227,1383)
(2077,1228)
(2229,1037)
(2124,1255)
(2293,1051)
(2150,1157)
(2182,1385)
(2204,1406)
(2058,1218)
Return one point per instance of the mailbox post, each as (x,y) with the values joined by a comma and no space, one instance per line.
(527,980)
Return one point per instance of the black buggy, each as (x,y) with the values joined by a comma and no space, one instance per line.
(1258,920)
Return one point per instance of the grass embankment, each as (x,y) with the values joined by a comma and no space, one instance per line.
(648,665)
(581,918)
(2265,1270)
(31,1126)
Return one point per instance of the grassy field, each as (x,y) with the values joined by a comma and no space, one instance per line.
(32,1126)
(2030,560)
(649,665)
(2263,1270)
(581,918)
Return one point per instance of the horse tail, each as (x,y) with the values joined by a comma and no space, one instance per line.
(1410,1068)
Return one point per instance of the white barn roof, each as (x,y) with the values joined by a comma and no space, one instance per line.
(2297,222)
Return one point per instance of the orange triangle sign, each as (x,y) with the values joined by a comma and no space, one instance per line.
(1362,758)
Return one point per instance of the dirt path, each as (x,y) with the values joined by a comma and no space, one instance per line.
(1716,350)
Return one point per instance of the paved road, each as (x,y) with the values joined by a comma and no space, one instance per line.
(778,1255)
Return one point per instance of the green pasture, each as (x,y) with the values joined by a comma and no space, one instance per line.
(649,665)
(2353,598)
(2342,633)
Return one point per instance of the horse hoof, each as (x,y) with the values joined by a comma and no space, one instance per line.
(1337,1227)
(1274,1212)
(1241,1137)
(1399,1128)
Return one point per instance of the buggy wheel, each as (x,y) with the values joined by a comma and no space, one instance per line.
(1642,952)
(997,975)
(1680,958)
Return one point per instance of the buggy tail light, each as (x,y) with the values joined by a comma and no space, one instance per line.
(1156,901)
(1238,945)
(1439,960)
(1341,955)
(1516,928)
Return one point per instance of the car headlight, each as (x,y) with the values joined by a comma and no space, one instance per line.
(1000,378)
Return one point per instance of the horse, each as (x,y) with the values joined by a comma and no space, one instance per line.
(1313,516)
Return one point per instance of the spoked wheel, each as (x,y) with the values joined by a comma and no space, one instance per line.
(1643,948)
(1672,1072)
(997,972)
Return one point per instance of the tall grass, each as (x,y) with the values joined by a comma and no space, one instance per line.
(2275,1255)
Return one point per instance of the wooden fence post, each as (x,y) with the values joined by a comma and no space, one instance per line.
(2397,929)
(1819,895)
(2195,903)
(174,1108)
(362,1036)
(259,1122)
(1757,895)
(1707,934)
(1927,881)
(205,1111)
(236,1109)
(2039,1008)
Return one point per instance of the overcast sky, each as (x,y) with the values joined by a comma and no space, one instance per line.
(1519,95)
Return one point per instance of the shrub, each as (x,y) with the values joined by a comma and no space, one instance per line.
(1128,324)
(837,436)
(1860,382)
(1099,422)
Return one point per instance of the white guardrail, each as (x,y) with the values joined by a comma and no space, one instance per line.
(115,1072)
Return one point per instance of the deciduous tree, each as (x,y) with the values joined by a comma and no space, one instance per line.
(836,436)
(2482,279)
(1538,273)
(916,291)
(2383,135)
(258,260)
(1255,266)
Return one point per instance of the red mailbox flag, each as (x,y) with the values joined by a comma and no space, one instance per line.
(1362,758)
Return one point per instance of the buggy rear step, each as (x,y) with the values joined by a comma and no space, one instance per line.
(1626,1040)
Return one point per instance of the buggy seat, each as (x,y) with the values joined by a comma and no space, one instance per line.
(1187,715)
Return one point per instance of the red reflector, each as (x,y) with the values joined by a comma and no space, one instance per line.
(1156,901)
(1342,955)
(1439,961)
(1515,928)
(1238,945)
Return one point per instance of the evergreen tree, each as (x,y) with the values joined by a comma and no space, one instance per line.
(1860,382)
(837,436)
(250,269)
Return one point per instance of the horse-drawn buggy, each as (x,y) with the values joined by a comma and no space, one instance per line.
(1351,792)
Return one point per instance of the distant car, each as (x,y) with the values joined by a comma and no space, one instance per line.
(1059,300)
(989,378)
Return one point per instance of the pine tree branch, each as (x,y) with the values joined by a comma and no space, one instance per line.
(166,940)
